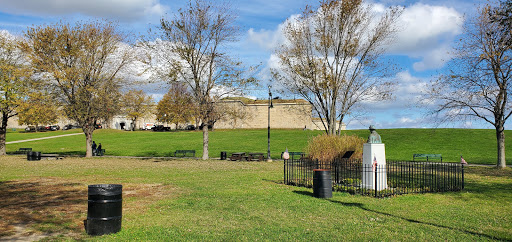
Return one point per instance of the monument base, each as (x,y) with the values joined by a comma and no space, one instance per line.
(374,166)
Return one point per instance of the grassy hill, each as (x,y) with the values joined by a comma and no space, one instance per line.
(476,145)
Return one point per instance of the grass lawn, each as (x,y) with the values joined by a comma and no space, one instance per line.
(477,146)
(22,135)
(169,200)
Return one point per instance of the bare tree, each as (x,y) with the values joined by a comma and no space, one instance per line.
(136,104)
(502,14)
(233,113)
(191,49)
(477,86)
(81,64)
(13,82)
(333,57)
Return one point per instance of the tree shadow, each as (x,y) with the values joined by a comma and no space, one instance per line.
(362,206)
(305,193)
(48,204)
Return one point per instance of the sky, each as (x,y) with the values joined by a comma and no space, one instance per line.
(429,29)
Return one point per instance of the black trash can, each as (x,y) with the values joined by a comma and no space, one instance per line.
(223,155)
(104,211)
(33,155)
(322,183)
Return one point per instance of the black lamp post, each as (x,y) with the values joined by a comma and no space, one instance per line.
(269,107)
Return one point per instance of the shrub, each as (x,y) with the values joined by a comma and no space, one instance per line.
(328,147)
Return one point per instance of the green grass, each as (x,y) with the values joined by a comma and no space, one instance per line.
(240,201)
(22,135)
(477,146)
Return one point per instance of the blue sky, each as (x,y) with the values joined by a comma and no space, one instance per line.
(428,30)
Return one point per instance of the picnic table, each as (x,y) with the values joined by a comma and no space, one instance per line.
(238,156)
(51,156)
(255,157)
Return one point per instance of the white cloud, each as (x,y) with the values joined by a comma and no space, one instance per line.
(408,94)
(270,39)
(126,10)
(426,33)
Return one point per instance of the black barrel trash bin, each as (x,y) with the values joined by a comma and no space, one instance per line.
(223,155)
(33,155)
(104,210)
(322,183)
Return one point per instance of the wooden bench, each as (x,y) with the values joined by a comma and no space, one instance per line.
(185,153)
(238,156)
(23,150)
(427,157)
(255,157)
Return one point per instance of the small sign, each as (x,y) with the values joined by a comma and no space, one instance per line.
(286,155)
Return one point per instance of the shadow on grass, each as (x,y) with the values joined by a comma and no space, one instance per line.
(361,206)
(67,153)
(305,193)
(489,171)
(53,206)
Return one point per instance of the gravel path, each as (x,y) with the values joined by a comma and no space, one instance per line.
(51,137)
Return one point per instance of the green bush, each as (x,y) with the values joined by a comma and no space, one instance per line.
(328,147)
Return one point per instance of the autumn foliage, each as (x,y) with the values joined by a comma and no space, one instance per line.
(328,147)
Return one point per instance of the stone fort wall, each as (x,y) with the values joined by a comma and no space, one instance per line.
(285,114)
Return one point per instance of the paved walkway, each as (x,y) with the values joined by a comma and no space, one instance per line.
(51,137)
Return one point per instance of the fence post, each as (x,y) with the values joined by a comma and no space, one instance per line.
(284,171)
(375,180)
(462,176)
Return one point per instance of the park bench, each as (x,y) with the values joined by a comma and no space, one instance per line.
(255,157)
(185,153)
(427,157)
(293,154)
(51,156)
(23,150)
(238,156)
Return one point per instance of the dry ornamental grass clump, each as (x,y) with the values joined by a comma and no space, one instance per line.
(328,147)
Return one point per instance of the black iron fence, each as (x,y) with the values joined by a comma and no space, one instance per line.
(396,177)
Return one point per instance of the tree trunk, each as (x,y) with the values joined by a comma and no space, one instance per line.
(500,138)
(205,141)
(88,130)
(3,131)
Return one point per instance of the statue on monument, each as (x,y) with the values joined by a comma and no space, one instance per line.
(374,138)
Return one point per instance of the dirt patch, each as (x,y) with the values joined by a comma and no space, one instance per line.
(47,207)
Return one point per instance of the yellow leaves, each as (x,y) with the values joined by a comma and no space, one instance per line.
(38,108)
(137,104)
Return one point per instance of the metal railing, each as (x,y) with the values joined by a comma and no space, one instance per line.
(395,178)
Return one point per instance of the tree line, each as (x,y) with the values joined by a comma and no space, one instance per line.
(334,57)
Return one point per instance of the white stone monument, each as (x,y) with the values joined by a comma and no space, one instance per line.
(374,157)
